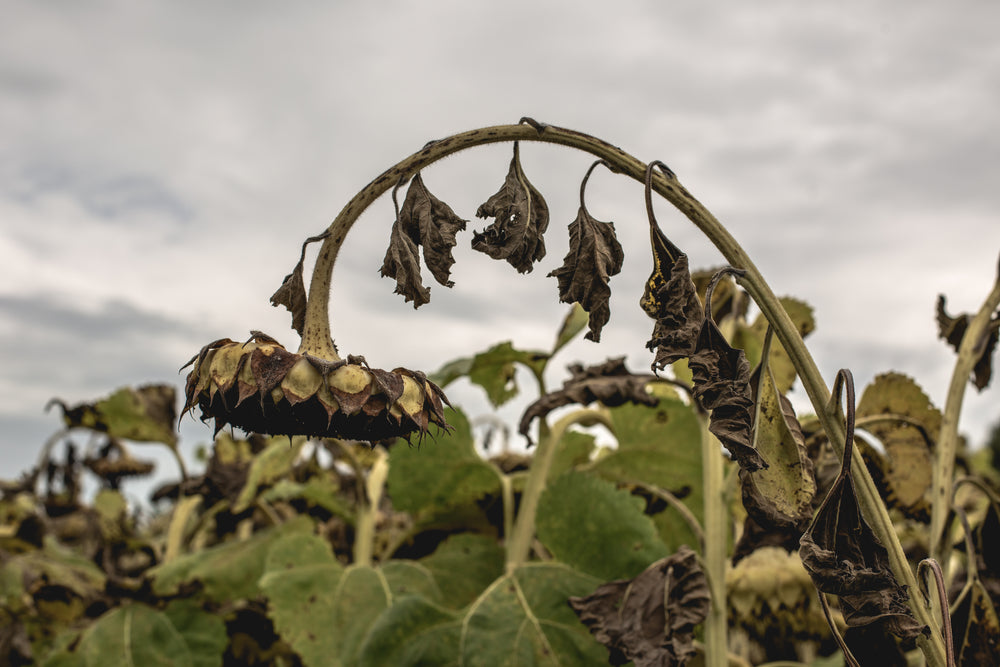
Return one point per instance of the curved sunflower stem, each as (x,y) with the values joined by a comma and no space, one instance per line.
(316,338)
(969,352)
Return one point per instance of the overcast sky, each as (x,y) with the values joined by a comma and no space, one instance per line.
(161,164)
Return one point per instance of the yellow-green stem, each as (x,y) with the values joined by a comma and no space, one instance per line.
(316,337)
(969,352)
(716,544)
(364,529)
(519,541)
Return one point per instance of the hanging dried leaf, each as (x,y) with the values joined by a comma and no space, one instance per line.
(610,383)
(670,297)
(594,256)
(780,495)
(845,558)
(292,293)
(521,218)
(721,377)
(423,221)
(976,627)
(952,330)
(649,620)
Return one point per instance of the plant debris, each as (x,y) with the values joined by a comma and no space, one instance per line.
(594,256)
(423,221)
(521,218)
(650,620)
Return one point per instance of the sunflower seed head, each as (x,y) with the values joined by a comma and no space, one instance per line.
(261,387)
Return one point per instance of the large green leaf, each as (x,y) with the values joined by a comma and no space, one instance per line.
(659,446)
(182,635)
(463,566)
(230,570)
(494,370)
(323,609)
(440,474)
(589,524)
(523,619)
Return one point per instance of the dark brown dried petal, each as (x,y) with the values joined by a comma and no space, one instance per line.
(649,620)
(610,383)
(521,218)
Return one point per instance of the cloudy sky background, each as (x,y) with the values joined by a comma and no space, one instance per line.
(161,164)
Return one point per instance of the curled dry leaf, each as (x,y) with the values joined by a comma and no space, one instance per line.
(721,377)
(845,558)
(292,293)
(649,620)
(594,256)
(610,383)
(670,297)
(952,330)
(423,221)
(780,495)
(260,387)
(521,218)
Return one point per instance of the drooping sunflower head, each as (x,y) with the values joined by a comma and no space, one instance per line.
(261,387)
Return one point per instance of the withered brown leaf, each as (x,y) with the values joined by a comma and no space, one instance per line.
(423,221)
(669,297)
(292,293)
(521,218)
(649,620)
(844,556)
(952,330)
(721,376)
(594,256)
(610,383)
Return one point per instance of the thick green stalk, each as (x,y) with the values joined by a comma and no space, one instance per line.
(716,545)
(969,352)
(316,339)
(364,529)
(519,541)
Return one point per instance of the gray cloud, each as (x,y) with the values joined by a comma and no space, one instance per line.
(163,165)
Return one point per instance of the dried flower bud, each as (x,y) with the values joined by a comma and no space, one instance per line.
(261,387)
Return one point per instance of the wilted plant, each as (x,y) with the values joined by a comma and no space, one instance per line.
(609,533)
